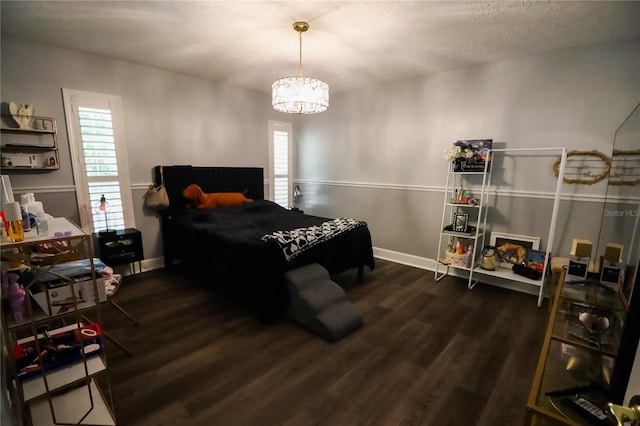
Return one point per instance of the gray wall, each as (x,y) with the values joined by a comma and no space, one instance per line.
(377,152)
(169,119)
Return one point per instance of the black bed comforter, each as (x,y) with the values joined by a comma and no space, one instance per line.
(227,245)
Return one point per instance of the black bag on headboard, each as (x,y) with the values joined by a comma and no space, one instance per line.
(156,196)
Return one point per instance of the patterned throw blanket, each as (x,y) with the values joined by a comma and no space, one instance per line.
(296,241)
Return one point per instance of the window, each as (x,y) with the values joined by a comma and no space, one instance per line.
(280,162)
(100,166)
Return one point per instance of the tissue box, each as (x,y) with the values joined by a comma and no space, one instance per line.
(58,297)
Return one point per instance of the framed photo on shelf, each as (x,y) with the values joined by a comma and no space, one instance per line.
(513,249)
(461,222)
(480,150)
(535,259)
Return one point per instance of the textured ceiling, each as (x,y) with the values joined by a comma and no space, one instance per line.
(349,45)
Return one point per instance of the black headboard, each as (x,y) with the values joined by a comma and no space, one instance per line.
(211,179)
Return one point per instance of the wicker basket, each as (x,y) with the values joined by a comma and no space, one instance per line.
(457,259)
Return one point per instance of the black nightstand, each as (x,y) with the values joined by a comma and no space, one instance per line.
(120,247)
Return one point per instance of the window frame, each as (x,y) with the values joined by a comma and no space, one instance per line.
(71,99)
(288,128)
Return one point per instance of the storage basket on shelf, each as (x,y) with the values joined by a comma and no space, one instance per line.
(456,259)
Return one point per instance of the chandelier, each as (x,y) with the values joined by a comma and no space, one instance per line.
(300,95)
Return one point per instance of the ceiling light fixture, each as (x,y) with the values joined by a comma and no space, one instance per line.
(300,95)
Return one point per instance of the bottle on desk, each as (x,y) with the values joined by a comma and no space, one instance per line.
(14,221)
(16,302)
(42,226)
(24,214)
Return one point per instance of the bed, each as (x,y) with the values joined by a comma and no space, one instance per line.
(248,248)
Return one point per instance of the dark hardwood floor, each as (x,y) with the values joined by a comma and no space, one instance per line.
(429,354)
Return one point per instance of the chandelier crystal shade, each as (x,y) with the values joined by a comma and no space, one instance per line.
(300,95)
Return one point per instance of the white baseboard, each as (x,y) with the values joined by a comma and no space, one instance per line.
(404,259)
(430,265)
(390,255)
(146,265)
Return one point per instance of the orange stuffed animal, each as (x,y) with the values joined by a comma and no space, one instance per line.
(215,199)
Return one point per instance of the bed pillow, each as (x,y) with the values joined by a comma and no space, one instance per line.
(203,200)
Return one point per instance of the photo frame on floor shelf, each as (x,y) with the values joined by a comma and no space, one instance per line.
(535,259)
(513,249)
(461,222)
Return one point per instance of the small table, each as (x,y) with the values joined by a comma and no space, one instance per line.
(120,247)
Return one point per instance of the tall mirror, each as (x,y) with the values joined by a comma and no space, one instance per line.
(621,231)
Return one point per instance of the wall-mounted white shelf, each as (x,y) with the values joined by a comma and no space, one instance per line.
(34,147)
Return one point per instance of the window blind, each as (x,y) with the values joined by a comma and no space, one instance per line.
(281,167)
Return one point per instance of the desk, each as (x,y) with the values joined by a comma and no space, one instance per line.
(574,362)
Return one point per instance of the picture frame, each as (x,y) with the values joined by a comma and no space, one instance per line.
(577,269)
(535,260)
(513,249)
(610,274)
(460,222)
(481,149)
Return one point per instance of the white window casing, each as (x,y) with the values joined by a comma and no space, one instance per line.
(280,162)
(97,142)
